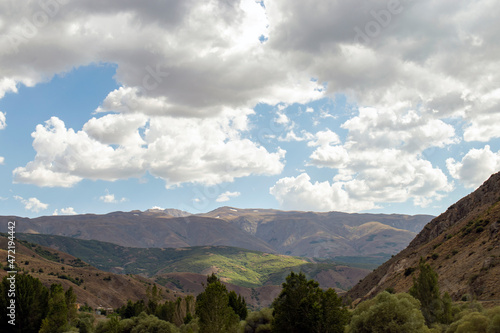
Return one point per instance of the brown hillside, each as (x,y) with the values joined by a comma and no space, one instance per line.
(462,245)
(99,288)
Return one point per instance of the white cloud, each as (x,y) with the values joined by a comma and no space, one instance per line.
(178,150)
(330,156)
(7,85)
(110,198)
(325,138)
(406,63)
(65,211)
(189,46)
(226,196)
(409,131)
(191,71)
(282,119)
(64,157)
(299,193)
(209,151)
(291,136)
(381,161)
(475,167)
(181,66)
(117,129)
(375,177)
(32,204)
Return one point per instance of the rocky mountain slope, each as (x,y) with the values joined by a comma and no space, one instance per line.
(307,234)
(462,245)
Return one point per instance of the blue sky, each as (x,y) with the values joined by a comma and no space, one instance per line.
(121,107)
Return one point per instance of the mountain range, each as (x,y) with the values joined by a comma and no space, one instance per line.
(308,234)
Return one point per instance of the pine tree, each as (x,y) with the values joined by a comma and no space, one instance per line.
(426,289)
(303,307)
(57,317)
(31,304)
(213,310)
(238,304)
(70,298)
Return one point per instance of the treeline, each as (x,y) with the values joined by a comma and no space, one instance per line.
(301,307)
(40,309)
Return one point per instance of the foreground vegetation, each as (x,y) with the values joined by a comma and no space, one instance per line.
(300,307)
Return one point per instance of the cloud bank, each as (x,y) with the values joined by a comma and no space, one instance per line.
(191,73)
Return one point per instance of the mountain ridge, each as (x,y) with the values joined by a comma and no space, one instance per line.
(462,246)
(296,233)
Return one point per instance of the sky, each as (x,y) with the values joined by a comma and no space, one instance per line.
(355,106)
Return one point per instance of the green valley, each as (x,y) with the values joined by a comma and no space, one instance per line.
(237,266)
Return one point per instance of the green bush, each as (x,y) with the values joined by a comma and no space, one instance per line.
(389,313)
(259,321)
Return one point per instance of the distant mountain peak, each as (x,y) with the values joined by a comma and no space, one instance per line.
(169,211)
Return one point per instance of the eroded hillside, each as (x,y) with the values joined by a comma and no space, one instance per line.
(462,245)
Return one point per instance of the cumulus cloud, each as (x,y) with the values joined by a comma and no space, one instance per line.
(32,204)
(406,62)
(65,211)
(376,177)
(65,157)
(110,198)
(178,150)
(7,85)
(191,71)
(325,138)
(475,167)
(173,66)
(299,193)
(380,161)
(117,129)
(291,136)
(226,196)
(186,48)
(330,156)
